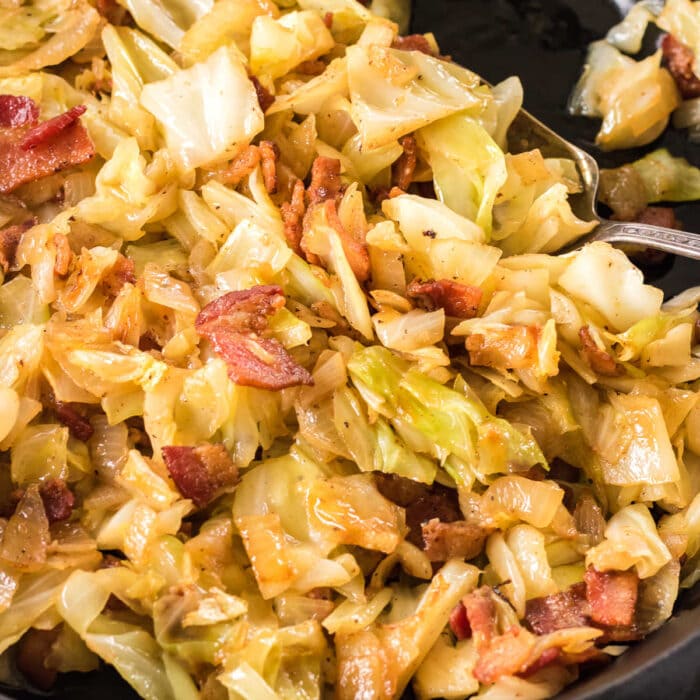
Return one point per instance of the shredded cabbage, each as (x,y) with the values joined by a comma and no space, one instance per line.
(278,422)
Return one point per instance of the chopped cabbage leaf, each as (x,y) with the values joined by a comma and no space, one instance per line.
(395,92)
(631,539)
(468,167)
(619,294)
(213,99)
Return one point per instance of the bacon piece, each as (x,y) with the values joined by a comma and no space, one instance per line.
(232,323)
(78,425)
(514,347)
(112,11)
(558,611)
(70,146)
(258,362)
(599,360)
(658,216)
(328,19)
(310,67)
(9,240)
(246,311)
(122,272)
(460,300)
(399,489)
(58,500)
(481,614)
(17,110)
(458,539)
(265,97)
(422,503)
(413,42)
(41,133)
(32,649)
(547,657)
(325,180)
(680,60)
(459,622)
(293,217)
(200,472)
(241,166)
(269,155)
(506,655)
(405,166)
(64,255)
(612,596)
(355,250)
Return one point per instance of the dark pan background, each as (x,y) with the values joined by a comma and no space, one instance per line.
(544,42)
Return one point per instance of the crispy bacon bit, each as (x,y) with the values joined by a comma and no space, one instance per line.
(658,216)
(547,657)
(459,539)
(404,168)
(328,19)
(680,60)
(399,489)
(123,272)
(265,97)
(422,503)
(78,425)
(64,255)
(293,216)
(481,614)
(67,147)
(9,240)
(413,42)
(112,11)
(355,250)
(241,166)
(514,347)
(41,133)
(599,360)
(550,613)
(325,180)
(58,500)
(380,193)
(200,472)
(232,324)
(459,623)
(310,67)
(269,155)
(457,299)
(612,596)
(17,110)
(247,311)
(148,342)
(507,654)
(258,362)
(32,649)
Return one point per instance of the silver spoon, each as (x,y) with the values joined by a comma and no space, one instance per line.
(527,132)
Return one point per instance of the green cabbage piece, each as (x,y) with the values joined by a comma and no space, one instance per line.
(667,178)
(468,166)
(452,426)
(396,92)
(206,111)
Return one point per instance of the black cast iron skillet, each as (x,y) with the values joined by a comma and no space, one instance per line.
(544,42)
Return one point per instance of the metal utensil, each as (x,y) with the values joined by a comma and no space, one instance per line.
(528,132)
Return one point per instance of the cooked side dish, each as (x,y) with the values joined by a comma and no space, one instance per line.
(295,399)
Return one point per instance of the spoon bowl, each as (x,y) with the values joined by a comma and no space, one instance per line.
(528,132)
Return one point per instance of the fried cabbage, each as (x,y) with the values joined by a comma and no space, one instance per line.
(295,398)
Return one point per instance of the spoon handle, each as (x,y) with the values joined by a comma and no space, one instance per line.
(657,237)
